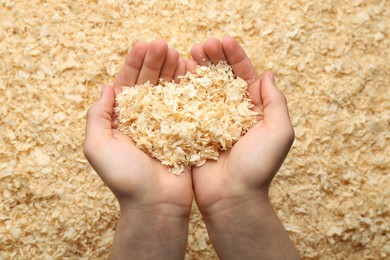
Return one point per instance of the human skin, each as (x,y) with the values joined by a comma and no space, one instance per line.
(154,204)
(232,192)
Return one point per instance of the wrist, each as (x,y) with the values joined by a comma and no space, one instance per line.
(247,228)
(224,212)
(155,212)
(232,200)
(154,208)
(148,233)
(152,225)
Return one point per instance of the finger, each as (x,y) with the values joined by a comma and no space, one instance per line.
(154,59)
(254,91)
(180,69)
(274,102)
(170,63)
(214,51)
(128,74)
(199,56)
(190,65)
(99,117)
(237,58)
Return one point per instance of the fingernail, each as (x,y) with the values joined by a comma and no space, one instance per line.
(272,78)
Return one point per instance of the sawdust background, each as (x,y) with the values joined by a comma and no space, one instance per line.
(332,62)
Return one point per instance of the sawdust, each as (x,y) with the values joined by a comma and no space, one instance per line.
(332,62)
(184,124)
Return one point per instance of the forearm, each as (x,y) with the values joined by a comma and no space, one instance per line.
(149,234)
(249,230)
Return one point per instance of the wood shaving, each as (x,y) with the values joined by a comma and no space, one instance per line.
(186,124)
(331,60)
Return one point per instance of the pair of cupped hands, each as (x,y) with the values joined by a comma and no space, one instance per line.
(240,174)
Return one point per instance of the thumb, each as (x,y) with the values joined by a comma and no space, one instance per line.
(274,103)
(99,116)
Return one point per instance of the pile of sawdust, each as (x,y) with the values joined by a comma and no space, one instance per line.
(186,123)
(331,59)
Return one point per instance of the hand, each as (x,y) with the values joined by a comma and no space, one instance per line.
(232,193)
(248,168)
(151,198)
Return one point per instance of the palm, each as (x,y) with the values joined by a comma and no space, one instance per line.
(140,175)
(135,173)
(255,158)
(245,167)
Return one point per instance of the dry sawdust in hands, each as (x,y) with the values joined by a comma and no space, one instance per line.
(186,123)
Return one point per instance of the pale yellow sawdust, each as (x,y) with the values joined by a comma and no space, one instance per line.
(331,59)
(183,124)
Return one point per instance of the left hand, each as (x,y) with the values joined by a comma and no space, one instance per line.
(154,204)
(136,179)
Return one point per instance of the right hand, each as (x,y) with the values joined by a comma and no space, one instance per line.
(245,171)
(232,193)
